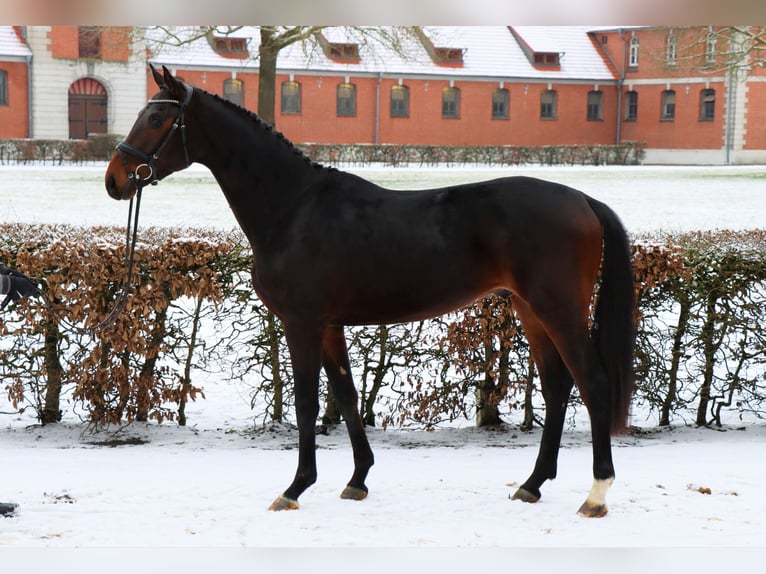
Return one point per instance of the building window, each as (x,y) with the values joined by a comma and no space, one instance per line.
(594,106)
(291,98)
(230,46)
(234,91)
(500,104)
(631,105)
(89,41)
(711,47)
(668,111)
(3,88)
(400,102)
(707,105)
(346,100)
(548,105)
(671,47)
(633,57)
(451,103)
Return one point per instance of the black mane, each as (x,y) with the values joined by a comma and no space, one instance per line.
(280,137)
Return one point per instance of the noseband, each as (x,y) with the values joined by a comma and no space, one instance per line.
(139,179)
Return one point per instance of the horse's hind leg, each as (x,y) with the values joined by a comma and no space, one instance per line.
(556,385)
(338,369)
(581,359)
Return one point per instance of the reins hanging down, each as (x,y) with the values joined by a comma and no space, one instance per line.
(140,181)
(131,237)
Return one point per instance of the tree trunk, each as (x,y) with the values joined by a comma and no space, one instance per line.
(670,398)
(709,348)
(146,377)
(186,383)
(51,411)
(277,413)
(379,373)
(331,414)
(267,75)
(487,413)
(529,412)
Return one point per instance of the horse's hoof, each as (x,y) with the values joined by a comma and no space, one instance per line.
(592,510)
(525,496)
(353,493)
(282,503)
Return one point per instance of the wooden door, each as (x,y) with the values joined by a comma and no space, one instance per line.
(87,109)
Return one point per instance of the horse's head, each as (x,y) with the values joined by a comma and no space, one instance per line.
(156,145)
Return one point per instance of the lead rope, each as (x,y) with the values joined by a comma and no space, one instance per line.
(131,237)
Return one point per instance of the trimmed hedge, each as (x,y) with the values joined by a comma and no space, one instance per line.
(700,353)
(55,152)
(629,153)
(101,148)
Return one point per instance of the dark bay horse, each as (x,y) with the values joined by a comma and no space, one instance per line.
(332,249)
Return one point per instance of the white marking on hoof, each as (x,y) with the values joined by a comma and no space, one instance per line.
(595,505)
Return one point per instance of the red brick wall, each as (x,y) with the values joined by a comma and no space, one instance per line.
(115,43)
(755,126)
(653,75)
(14,122)
(686,131)
(319,123)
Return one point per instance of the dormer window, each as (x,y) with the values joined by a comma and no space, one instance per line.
(448,55)
(339,51)
(441,55)
(232,47)
(546,59)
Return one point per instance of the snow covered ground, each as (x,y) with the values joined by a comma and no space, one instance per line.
(646,198)
(207,486)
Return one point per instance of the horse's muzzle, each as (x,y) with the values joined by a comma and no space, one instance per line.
(116,191)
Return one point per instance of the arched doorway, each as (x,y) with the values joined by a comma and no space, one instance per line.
(87,108)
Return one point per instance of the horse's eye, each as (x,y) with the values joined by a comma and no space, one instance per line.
(155,122)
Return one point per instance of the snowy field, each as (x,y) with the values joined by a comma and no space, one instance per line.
(199,494)
(646,198)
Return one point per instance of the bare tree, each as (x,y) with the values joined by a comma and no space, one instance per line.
(720,49)
(274,39)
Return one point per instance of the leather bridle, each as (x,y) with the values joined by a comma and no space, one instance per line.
(123,147)
(139,181)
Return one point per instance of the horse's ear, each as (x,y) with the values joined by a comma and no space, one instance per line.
(173,84)
(158,79)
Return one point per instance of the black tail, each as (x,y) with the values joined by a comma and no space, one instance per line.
(614,322)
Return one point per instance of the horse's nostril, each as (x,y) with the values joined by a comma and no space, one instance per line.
(110,184)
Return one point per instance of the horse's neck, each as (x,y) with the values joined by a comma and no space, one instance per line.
(260,173)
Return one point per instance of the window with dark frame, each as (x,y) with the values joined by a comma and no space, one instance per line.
(232,46)
(291,97)
(400,101)
(451,103)
(711,50)
(631,105)
(3,88)
(548,105)
(634,44)
(707,105)
(89,41)
(500,104)
(595,99)
(668,111)
(234,91)
(671,49)
(346,100)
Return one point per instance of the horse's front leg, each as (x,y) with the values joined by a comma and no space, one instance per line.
(338,369)
(305,346)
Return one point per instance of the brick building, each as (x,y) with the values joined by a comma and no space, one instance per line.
(518,85)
